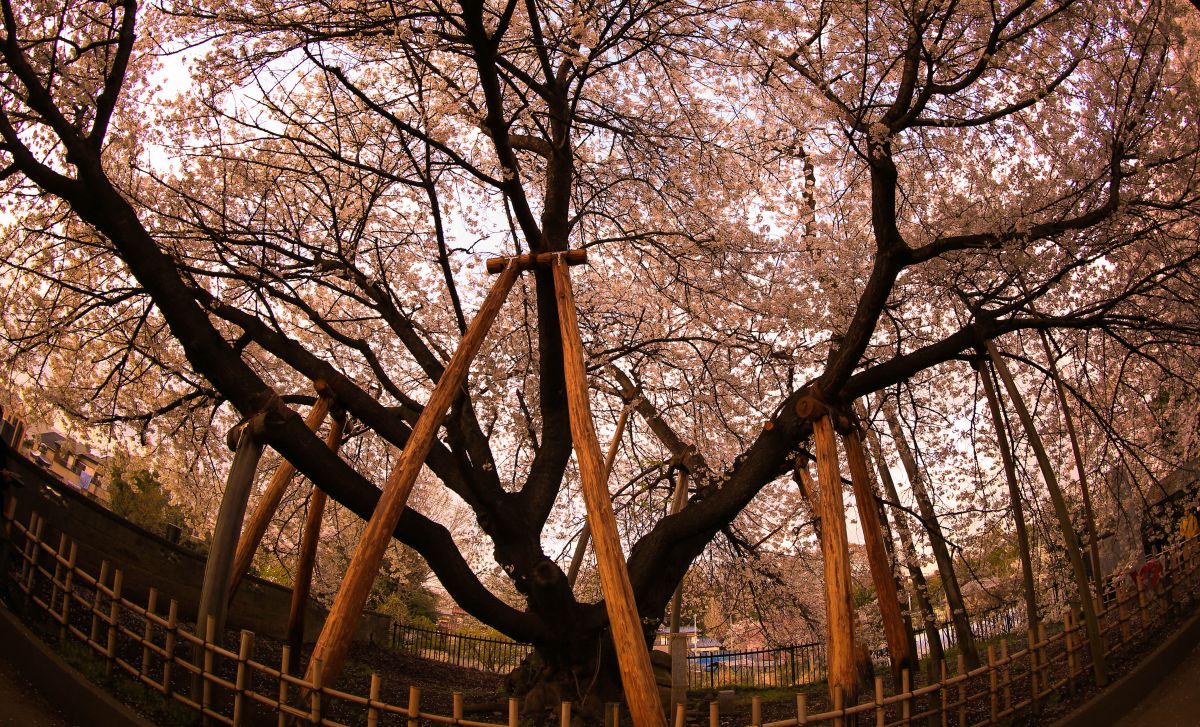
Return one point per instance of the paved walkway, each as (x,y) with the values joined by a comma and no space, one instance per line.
(22,706)
(1175,702)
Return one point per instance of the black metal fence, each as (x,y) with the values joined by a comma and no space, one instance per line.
(783,667)
(804,664)
(498,656)
(985,627)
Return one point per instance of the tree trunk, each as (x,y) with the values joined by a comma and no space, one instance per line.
(1091,623)
(894,628)
(937,542)
(839,602)
(912,562)
(678,644)
(1014,493)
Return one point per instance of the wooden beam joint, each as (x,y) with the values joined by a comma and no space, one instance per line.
(536,260)
(813,406)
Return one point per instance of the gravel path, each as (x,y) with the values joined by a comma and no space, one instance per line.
(1175,702)
(22,706)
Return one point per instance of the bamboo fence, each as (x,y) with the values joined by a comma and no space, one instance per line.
(151,645)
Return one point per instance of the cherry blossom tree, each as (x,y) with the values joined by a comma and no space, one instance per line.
(780,201)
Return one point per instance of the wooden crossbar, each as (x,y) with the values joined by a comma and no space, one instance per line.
(534,260)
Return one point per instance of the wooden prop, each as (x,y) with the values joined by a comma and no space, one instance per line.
(214,594)
(260,518)
(937,541)
(306,561)
(533,260)
(1014,494)
(1089,515)
(835,549)
(894,629)
(586,534)
(1092,624)
(334,642)
(912,563)
(633,659)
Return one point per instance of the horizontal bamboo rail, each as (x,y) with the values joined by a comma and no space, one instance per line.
(152,646)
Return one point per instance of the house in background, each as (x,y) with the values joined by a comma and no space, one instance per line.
(696,644)
(662,640)
(71,462)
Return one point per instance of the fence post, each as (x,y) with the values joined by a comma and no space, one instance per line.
(838,721)
(33,550)
(879,710)
(315,709)
(206,667)
(148,631)
(373,701)
(94,634)
(1007,674)
(1123,615)
(1069,643)
(284,660)
(169,648)
(993,695)
(57,578)
(906,690)
(1143,622)
(114,613)
(414,706)
(565,715)
(245,649)
(1033,668)
(457,706)
(714,714)
(9,519)
(945,698)
(1044,658)
(513,712)
(68,591)
(801,709)
(756,711)
(962,689)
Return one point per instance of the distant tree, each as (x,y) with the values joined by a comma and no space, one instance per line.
(138,496)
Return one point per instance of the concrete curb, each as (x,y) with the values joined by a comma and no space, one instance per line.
(88,704)
(1123,695)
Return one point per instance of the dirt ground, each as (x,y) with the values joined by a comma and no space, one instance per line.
(20,704)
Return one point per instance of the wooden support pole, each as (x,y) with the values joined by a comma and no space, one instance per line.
(888,597)
(1089,515)
(920,588)
(260,518)
(340,625)
(835,549)
(1014,493)
(586,534)
(306,561)
(937,541)
(633,658)
(214,594)
(532,260)
(1092,624)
